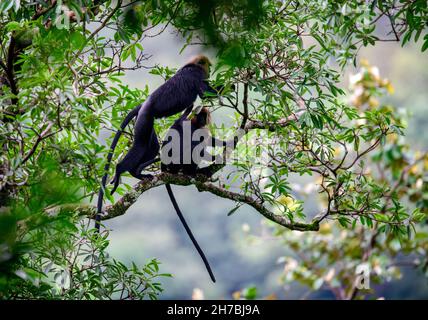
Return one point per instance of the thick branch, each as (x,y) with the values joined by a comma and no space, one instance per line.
(123,204)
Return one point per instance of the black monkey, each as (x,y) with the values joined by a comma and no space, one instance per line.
(134,167)
(179,155)
(175,95)
(185,145)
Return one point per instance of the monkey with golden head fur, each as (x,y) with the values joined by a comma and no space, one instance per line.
(176,95)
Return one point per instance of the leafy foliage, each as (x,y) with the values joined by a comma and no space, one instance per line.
(49,252)
(328,260)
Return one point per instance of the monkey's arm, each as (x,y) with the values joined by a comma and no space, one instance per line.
(228,146)
(186,112)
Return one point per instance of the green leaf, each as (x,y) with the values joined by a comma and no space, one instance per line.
(233,210)
(13,25)
(77,40)
(425,45)
(250,293)
(5,5)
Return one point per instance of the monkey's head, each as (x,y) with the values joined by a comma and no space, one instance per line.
(203,62)
(202,119)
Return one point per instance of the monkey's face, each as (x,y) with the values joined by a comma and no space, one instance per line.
(203,118)
(202,61)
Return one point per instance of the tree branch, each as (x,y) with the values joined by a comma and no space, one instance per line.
(203,185)
(10,72)
(42,11)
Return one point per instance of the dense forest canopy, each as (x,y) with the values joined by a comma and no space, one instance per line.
(61,85)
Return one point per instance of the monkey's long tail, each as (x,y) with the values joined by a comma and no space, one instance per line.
(189,232)
(132,114)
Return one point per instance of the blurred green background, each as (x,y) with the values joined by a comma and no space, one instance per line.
(241,248)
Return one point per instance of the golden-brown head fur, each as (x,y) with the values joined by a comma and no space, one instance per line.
(202,61)
(203,118)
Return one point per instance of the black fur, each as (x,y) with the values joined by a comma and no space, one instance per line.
(189,232)
(174,96)
(143,154)
(200,121)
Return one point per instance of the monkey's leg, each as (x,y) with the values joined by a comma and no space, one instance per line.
(145,146)
(116,180)
(136,171)
(143,128)
(142,166)
(149,153)
(127,164)
(189,232)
